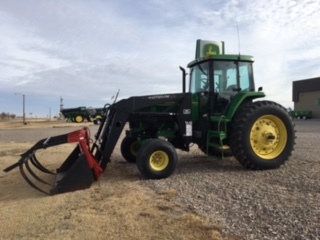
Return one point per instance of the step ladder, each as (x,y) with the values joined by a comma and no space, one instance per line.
(219,134)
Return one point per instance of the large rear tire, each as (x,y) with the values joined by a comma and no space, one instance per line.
(262,135)
(156,159)
(129,149)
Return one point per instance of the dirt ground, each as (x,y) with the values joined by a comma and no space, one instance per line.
(118,206)
(206,198)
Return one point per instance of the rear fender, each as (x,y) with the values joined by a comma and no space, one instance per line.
(239,99)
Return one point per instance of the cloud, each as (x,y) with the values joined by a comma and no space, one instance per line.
(85,51)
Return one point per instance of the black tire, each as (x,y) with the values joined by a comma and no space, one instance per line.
(262,135)
(129,149)
(79,119)
(156,159)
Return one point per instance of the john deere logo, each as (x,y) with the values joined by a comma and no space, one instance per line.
(210,50)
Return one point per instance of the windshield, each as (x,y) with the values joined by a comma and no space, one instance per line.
(228,76)
(199,78)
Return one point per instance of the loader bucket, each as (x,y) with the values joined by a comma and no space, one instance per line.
(77,172)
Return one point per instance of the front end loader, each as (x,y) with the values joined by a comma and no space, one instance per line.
(89,160)
(220,113)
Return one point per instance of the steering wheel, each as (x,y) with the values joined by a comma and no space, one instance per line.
(205,84)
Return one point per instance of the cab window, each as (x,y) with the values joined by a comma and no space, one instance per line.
(199,78)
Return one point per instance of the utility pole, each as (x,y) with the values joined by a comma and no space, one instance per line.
(61,107)
(61,103)
(49,116)
(23,107)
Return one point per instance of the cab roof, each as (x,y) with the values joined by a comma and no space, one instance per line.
(215,50)
(224,57)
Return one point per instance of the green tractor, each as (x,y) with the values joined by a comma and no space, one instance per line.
(220,113)
(80,114)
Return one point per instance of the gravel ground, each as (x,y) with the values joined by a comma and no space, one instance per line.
(275,204)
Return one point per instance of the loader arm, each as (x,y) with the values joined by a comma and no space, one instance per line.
(111,131)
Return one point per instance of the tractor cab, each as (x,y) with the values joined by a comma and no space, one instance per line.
(216,78)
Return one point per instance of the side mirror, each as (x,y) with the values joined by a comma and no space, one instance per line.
(260,89)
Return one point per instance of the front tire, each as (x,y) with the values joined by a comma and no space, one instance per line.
(262,136)
(157,159)
(129,149)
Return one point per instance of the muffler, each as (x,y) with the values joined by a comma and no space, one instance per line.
(77,172)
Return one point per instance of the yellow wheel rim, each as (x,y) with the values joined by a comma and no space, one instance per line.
(268,137)
(159,160)
(79,119)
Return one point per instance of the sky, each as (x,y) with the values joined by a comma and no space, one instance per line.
(84,51)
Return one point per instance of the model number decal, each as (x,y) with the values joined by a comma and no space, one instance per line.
(159,97)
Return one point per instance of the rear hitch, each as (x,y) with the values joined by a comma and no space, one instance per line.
(77,172)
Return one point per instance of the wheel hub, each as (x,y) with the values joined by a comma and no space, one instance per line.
(134,148)
(159,160)
(268,136)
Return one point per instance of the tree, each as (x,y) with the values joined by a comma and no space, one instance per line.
(4,115)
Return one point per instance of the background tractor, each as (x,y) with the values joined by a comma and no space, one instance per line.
(220,113)
(80,114)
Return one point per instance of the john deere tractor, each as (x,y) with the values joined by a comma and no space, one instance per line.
(220,113)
